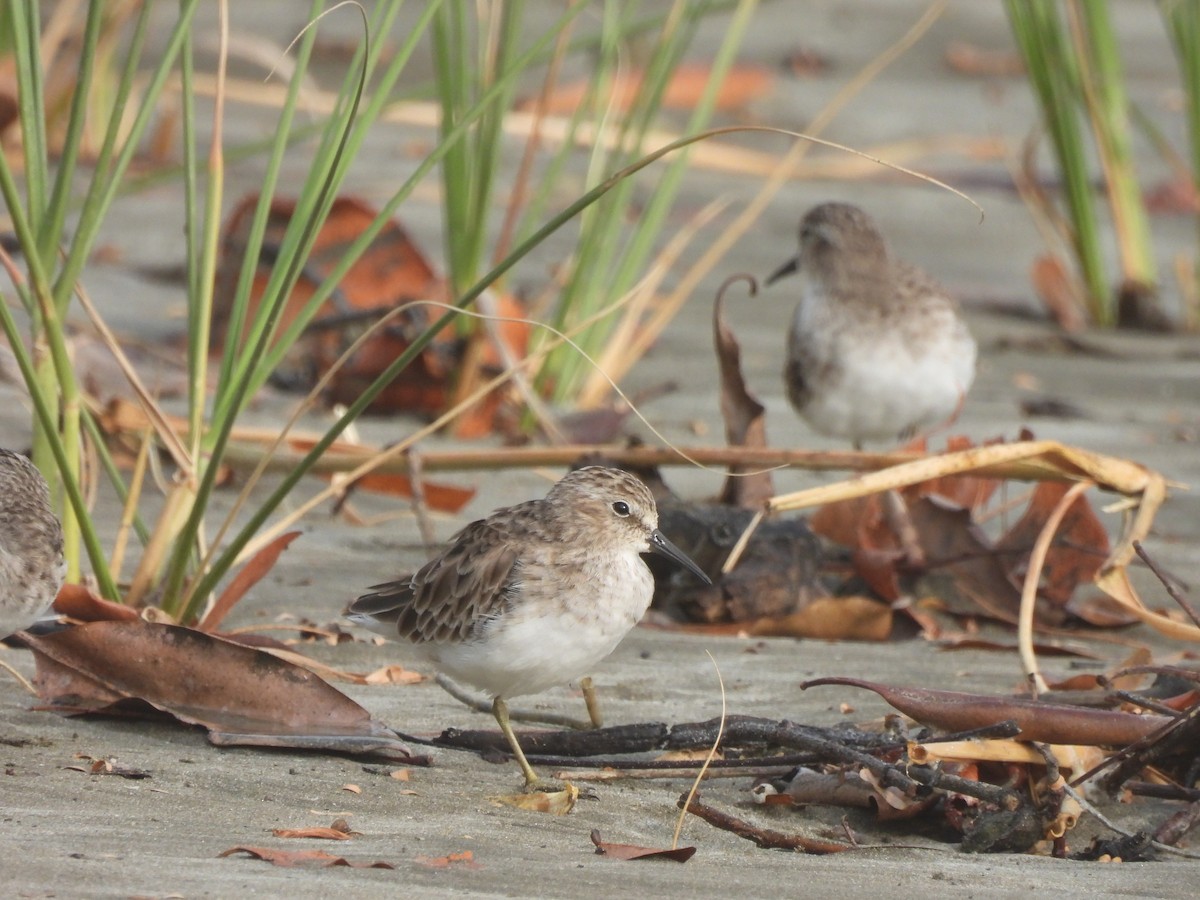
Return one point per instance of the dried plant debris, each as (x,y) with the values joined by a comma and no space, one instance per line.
(744,415)
(338,830)
(391,273)
(778,574)
(1001,774)
(242,695)
(310,858)
(633,851)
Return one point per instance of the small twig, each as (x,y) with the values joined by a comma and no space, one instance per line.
(599,770)
(763,837)
(1122,757)
(895,511)
(1172,671)
(934,777)
(1171,590)
(712,753)
(1171,831)
(1135,699)
(748,766)
(21,679)
(419,507)
(1162,791)
(1006,729)
(564,747)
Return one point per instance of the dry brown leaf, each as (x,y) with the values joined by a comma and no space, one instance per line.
(742,85)
(1038,720)
(291,858)
(1060,291)
(632,851)
(248,575)
(1077,552)
(240,694)
(958,550)
(393,674)
(830,619)
(464,859)
(79,603)
(556,803)
(1100,610)
(329,833)
(390,273)
(744,416)
(970,59)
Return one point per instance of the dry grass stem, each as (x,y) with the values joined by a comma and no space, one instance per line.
(1033,577)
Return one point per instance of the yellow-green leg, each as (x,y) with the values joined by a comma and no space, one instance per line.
(500,711)
(592,701)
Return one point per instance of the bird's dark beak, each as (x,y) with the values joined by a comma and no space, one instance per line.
(660,545)
(791,267)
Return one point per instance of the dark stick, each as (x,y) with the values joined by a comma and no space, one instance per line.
(1174,594)
(763,837)
(1171,831)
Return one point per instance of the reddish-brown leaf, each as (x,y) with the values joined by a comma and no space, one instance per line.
(78,602)
(1039,721)
(1173,196)
(330,833)
(1101,610)
(633,851)
(438,495)
(249,575)
(742,85)
(829,619)
(840,522)
(1079,548)
(956,548)
(968,491)
(464,859)
(242,695)
(745,417)
(970,59)
(290,858)
(1061,292)
(391,273)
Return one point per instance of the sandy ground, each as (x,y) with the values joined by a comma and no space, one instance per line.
(64,833)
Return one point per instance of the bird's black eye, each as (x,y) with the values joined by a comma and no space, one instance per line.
(621,508)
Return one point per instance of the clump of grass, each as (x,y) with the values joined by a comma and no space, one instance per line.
(59,209)
(1074,66)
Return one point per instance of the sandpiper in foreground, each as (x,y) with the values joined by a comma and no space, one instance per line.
(535,594)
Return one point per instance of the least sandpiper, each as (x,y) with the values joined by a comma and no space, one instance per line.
(877,349)
(31,544)
(535,594)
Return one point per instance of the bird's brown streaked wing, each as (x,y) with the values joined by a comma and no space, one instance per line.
(452,592)
(466,584)
(385,600)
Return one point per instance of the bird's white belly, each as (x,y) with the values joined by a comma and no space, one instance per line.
(533,647)
(25,592)
(878,386)
(883,395)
